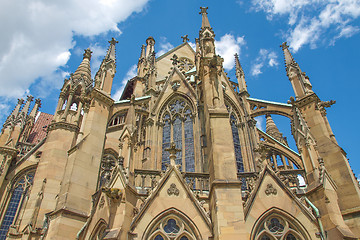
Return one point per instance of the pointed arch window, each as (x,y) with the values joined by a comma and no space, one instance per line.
(178,127)
(233,117)
(172,227)
(275,227)
(19,190)
(107,166)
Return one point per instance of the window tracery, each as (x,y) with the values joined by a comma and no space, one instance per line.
(18,191)
(276,227)
(118,119)
(171,227)
(106,168)
(178,127)
(236,139)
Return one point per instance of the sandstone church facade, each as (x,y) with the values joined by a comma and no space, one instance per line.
(177,157)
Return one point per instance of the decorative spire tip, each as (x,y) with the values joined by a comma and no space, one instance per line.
(113,41)
(87,53)
(284,46)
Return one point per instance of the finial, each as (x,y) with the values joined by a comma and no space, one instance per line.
(185,38)
(113,41)
(87,53)
(38,102)
(29,98)
(174,59)
(203,10)
(284,46)
(150,41)
(172,150)
(20,101)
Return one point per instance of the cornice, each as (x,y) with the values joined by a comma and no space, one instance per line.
(101,96)
(63,125)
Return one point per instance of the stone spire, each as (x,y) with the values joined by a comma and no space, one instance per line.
(289,60)
(25,109)
(17,108)
(150,46)
(84,71)
(272,129)
(110,55)
(240,74)
(206,36)
(300,82)
(142,54)
(105,75)
(35,109)
(205,21)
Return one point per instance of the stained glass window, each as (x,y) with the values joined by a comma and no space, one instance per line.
(177,136)
(189,145)
(178,120)
(171,226)
(166,144)
(290,237)
(237,146)
(19,190)
(277,227)
(158,237)
(265,237)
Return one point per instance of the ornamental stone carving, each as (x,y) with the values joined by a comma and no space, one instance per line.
(270,190)
(173,190)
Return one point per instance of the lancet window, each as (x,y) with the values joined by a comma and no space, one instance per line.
(276,227)
(106,168)
(118,119)
(17,195)
(171,227)
(236,139)
(178,127)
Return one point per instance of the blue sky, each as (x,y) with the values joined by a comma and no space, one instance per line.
(43,41)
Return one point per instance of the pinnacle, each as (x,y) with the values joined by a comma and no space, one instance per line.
(84,71)
(110,55)
(205,21)
(288,57)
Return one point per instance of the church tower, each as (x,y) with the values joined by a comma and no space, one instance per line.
(177,157)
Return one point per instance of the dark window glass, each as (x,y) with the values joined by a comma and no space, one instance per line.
(189,145)
(14,203)
(184,238)
(290,237)
(237,146)
(158,237)
(177,135)
(171,226)
(265,237)
(275,225)
(165,145)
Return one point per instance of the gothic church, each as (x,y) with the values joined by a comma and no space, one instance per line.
(177,157)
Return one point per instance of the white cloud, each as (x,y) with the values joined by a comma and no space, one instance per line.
(227,47)
(192,45)
(265,58)
(164,46)
(98,54)
(260,123)
(132,72)
(4,111)
(312,21)
(37,36)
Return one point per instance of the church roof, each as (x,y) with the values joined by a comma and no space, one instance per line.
(39,130)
